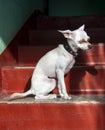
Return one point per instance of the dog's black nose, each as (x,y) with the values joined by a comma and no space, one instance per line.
(90,46)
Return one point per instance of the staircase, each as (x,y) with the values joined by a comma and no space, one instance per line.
(85,82)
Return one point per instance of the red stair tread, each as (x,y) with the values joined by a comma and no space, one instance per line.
(79,79)
(52,116)
(31,54)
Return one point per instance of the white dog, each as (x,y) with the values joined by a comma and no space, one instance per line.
(52,67)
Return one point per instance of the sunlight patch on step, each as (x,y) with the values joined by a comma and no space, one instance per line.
(76,99)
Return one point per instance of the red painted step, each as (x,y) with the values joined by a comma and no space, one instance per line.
(53,37)
(31,54)
(49,37)
(87,80)
(80,79)
(71,22)
(96,34)
(16,78)
(52,116)
(95,56)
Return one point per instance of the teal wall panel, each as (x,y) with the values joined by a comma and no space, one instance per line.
(13,14)
(76,7)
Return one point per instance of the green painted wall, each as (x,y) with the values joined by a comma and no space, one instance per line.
(76,7)
(13,14)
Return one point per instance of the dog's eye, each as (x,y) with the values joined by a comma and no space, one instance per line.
(82,41)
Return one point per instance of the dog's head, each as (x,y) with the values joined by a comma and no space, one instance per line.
(78,38)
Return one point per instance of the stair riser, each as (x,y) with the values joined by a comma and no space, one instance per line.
(79,80)
(52,116)
(41,37)
(31,54)
(16,79)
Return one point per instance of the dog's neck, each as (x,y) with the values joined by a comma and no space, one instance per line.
(71,48)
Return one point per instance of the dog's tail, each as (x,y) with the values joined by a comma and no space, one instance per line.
(20,95)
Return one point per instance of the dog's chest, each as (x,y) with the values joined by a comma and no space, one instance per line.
(69,65)
(65,60)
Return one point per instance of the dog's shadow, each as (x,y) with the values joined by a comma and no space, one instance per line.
(80,79)
(28,84)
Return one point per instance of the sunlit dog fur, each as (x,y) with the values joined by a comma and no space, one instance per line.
(51,68)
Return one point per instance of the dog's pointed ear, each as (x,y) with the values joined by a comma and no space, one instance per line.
(82,27)
(66,33)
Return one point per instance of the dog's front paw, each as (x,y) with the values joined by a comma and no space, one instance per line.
(67,97)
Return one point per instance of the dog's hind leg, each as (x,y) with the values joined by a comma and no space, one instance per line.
(43,87)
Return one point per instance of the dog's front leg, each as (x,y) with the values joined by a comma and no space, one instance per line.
(61,84)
